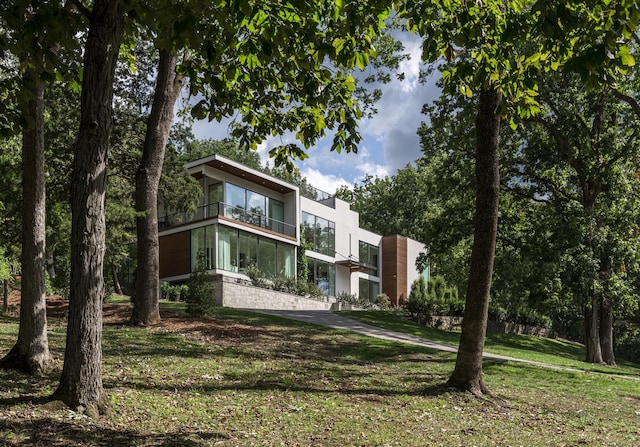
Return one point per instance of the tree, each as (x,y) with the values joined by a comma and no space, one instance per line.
(81,380)
(31,351)
(496,68)
(168,86)
(579,156)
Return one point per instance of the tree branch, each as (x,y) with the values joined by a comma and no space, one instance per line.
(631,101)
(79,6)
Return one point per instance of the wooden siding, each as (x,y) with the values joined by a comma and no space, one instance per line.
(175,254)
(394,268)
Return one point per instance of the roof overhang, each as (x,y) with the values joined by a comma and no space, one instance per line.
(356,266)
(239,170)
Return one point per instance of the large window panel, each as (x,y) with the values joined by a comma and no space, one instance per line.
(228,249)
(198,247)
(276,215)
(267,257)
(323,275)
(216,196)
(236,196)
(248,251)
(320,233)
(286,261)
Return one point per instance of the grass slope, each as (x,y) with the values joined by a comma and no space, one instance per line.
(243,379)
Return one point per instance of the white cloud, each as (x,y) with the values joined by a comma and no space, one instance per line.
(322,181)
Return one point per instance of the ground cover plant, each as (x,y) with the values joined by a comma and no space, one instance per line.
(241,378)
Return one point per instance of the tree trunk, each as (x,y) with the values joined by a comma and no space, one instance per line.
(467,374)
(594,351)
(5,300)
(81,381)
(606,331)
(168,86)
(31,351)
(116,282)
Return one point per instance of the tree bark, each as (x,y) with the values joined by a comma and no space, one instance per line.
(5,300)
(606,332)
(168,86)
(81,381)
(592,343)
(31,351)
(116,282)
(467,374)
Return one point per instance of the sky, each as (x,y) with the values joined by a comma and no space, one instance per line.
(389,138)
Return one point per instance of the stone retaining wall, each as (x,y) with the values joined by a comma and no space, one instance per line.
(239,294)
(493,327)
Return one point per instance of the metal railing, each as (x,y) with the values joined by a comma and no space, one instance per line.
(229,211)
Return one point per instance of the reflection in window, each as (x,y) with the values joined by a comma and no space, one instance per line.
(227,249)
(239,249)
(202,245)
(323,275)
(369,290)
(320,232)
(369,255)
(248,251)
(267,259)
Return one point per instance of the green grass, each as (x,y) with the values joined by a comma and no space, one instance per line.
(527,347)
(245,379)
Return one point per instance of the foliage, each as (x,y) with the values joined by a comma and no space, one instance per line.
(433,298)
(295,286)
(628,343)
(380,302)
(178,292)
(201,299)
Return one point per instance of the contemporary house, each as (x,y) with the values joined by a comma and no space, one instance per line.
(247,217)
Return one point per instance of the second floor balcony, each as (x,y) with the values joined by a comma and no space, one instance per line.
(256,218)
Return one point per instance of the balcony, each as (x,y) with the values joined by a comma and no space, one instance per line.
(236,213)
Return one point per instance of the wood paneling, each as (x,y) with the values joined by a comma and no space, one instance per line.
(394,268)
(175,254)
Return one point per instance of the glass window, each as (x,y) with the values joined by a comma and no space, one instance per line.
(216,196)
(235,196)
(198,247)
(369,255)
(369,290)
(276,215)
(267,259)
(320,233)
(228,249)
(323,275)
(285,260)
(248,251)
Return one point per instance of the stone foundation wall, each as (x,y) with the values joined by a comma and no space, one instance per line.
(231,293)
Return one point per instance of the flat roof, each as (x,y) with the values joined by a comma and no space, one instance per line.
(225,164)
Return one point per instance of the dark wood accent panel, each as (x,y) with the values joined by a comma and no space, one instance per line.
(394,268)
(175,254)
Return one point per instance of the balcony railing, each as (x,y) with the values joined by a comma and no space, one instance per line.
(229,211)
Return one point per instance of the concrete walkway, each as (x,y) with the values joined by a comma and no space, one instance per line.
(332,320)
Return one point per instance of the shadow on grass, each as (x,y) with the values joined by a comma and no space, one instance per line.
(30,432)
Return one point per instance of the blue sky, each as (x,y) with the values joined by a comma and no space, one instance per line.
(389,138)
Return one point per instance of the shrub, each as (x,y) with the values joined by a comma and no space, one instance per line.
(628,344)
(201,298)
(172,292)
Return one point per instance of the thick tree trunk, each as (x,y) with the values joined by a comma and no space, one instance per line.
(116,282)
(606,332)
(168,86)
(81,381)
(31,351)
(592,343)
(467,374)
